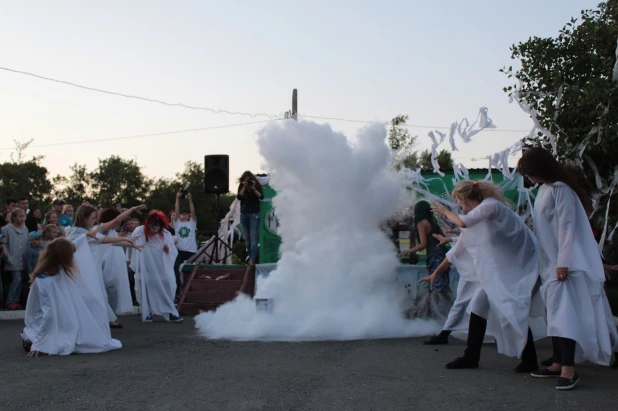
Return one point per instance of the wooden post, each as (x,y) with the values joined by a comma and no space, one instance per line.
(295,105)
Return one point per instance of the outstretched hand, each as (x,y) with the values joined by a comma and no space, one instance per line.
(138,247)
(439,208)
(429,279)
(138,209)
(442,239)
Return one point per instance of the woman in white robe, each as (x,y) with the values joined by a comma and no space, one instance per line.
(155,282)
(114,266)
(506,263)
(62,317)
(579,318)
(90,262)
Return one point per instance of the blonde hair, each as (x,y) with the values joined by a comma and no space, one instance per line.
(56,254)
(16,212)
(478,191)
(66,207)
(49,232)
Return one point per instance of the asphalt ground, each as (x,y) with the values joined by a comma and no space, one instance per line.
(166,366)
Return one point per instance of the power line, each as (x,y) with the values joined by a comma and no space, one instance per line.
(406,125)
(67,143)
(216,111)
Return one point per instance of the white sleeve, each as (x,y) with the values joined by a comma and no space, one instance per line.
(565,203)
(456,249)
(483,211)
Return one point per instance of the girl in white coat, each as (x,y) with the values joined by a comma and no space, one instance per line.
(578,314)
(62,317)
(155,282)
(90,261)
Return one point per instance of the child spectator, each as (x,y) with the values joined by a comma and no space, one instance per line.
(185,225)
(51,232)
(51,218)
(66,218)
(16,248)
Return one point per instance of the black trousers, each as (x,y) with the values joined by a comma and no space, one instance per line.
(476,335)
(181,258)
(564,351)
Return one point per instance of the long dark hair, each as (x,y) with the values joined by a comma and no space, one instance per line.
(249,174)
(32,223)
(422,211)
(540,163)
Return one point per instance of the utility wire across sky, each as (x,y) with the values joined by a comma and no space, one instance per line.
(221,111)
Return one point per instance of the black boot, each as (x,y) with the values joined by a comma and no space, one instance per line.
(472,354)
(462,362)
(439,339)
(529,360)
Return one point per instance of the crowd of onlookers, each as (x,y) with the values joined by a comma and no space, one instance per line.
(26,230)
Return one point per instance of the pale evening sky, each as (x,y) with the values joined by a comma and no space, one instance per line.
(436,61)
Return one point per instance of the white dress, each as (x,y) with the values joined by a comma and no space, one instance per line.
(116,277)
(155,282)
(577,308)
(505,259)
(62,318)
(89,261)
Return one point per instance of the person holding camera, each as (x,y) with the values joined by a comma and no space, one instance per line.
(185,226)
(250,193)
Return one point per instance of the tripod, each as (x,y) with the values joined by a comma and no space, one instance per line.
(213,257)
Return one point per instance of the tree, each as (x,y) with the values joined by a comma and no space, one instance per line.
(119,181)
(76,187)
(567,80)
(399,137)
(20,177)
(571,83)
(400,142)
(445,160)
(163,195)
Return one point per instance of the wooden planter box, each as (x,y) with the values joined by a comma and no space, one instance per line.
(203,292)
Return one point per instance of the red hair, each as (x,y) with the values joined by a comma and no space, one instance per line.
(154,217)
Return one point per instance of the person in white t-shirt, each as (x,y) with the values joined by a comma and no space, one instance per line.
(185,226)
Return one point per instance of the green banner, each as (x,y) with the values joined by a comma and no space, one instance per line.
(442,186)
(269,239)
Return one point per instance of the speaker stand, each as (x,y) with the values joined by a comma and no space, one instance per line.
(213,257)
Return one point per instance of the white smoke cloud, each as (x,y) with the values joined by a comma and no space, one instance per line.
(336,276)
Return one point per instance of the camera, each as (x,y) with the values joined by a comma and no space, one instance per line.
(184,193)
